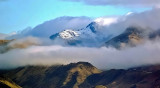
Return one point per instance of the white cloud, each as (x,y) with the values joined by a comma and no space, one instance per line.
(106,21)
(148,20)
(103,58)
(51,27)
(20,43)
(108,27)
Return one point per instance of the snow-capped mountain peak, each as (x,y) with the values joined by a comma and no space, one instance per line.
(87,34)
(69,34)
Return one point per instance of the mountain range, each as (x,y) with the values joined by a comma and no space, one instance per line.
(92,37)
(86,36)
(83,75)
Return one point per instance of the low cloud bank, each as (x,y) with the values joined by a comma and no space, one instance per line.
(103,58)
(19,43)
(24,42)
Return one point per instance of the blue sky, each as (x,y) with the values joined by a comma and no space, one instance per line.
(16,15)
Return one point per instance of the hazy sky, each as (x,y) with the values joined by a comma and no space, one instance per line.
(16,15)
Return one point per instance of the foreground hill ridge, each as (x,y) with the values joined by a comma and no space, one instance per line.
(7,83)
(60,76)
(84,75)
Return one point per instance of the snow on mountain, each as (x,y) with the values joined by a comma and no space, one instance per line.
(110,32)
(69,34)
(81,36)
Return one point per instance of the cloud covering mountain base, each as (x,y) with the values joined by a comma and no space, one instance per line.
(103,58)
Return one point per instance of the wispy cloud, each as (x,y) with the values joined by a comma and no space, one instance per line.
(133,3)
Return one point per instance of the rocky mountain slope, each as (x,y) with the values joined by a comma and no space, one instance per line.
(84,75)
(130,37)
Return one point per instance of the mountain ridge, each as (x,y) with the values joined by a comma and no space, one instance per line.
(84,75)
(130,36)
(61,76)
(90,35)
